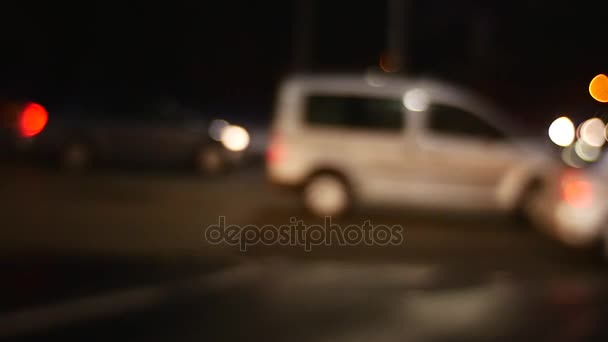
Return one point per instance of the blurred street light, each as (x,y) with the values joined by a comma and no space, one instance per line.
(592,132)
(235,138)
(598,88)
(562,131)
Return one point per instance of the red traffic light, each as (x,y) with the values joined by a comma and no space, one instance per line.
(33,119)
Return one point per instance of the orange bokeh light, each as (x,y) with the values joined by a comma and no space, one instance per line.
(598,88)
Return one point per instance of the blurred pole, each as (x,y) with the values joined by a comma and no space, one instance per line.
(396,35)
(303,35)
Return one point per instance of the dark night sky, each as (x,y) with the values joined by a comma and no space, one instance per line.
(534,57)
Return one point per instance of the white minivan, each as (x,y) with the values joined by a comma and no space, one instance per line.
(393,141)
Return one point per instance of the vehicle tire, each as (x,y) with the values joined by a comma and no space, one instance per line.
(327,194)
(209,160)
(76,156)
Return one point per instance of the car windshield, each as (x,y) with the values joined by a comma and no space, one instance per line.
(304,170)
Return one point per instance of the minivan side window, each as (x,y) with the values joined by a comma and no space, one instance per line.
(355,112)
(453,121)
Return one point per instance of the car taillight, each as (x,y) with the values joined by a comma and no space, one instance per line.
(32,120)
(576,191)
(276,150)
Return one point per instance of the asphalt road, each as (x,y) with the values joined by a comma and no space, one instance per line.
(114,238)
(165,213)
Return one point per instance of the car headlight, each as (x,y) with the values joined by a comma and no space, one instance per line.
(235,138)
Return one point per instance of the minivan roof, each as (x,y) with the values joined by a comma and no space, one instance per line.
(393,84)
(377,80)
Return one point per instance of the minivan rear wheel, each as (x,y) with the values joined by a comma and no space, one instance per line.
(326,195)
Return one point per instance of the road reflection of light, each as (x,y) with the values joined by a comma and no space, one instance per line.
(416,100)
(470,312)
(575,314)
(592,132)
(562,131)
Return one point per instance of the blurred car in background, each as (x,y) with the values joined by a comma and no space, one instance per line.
(392,141)
(146,134)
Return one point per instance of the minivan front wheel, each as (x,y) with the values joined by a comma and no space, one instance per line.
(326,195)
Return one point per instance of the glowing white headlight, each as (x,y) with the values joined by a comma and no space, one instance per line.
(562,131)
(235,138)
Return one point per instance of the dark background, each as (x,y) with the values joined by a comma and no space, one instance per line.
(533,57)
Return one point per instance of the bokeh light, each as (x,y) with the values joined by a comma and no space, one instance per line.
(388,63)
(216,127)
(416,100)
(598,88)
(235,138)
(570,158)
(592,132)
(33,119)
(562,131)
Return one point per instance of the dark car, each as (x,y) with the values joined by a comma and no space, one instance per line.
(117,132)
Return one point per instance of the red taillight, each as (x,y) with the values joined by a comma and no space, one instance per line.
(275,151)
(32,120)
(576,191)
